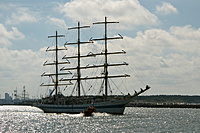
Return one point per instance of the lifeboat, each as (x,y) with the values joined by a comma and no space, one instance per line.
(89,111)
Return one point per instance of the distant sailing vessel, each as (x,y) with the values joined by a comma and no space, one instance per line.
(58,103)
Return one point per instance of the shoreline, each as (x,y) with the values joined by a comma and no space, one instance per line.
(164,105)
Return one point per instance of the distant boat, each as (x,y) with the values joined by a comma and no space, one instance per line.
(58,103)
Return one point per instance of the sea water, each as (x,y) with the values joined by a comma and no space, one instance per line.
(17,119)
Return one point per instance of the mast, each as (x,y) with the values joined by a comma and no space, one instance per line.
(24,94)
(56,61)
(90,54)
(79,56)
(106,52)
(106,60)
(78,67)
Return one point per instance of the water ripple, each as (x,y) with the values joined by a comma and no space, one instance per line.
(30,119)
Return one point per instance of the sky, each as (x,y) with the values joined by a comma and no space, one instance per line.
(161,38)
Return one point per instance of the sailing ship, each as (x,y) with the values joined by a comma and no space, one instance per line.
(56,102)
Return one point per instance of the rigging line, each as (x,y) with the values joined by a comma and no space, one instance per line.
(140,74)
(125,84)
(65,88)
(48,87)
(90,31)
(73,63)
(115,85)
(135,73)
(73,35)
(90,81)
(133,81)
(74,88)
(98,70)
(84,33)
(137,76)
(122,83)
(101,87)
(39,92)
(109,87)
(123,57)
(83,89)
(94,71)
(90,86)
(97,30)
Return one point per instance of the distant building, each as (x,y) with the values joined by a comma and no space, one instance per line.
(7,101)
(7,97)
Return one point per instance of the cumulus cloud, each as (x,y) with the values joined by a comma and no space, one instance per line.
(168,58)
(6,36)
(166,8)
(57,22)
(23,15)
(19,68)
(128,12)
(165,59)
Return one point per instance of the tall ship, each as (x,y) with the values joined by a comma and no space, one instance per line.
(104,100)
